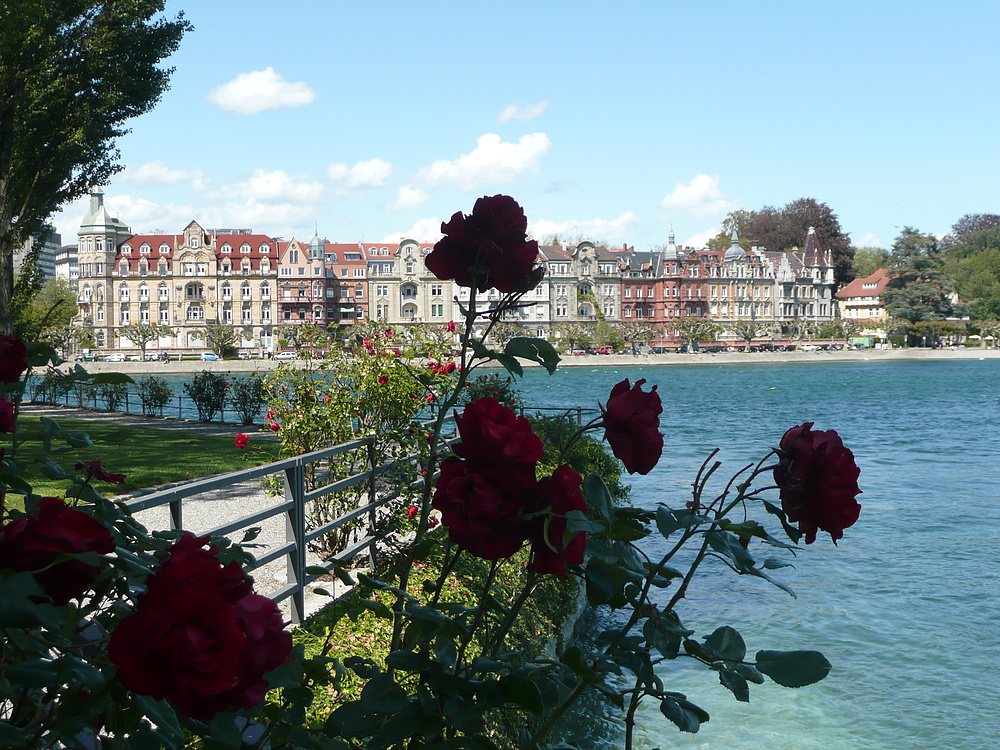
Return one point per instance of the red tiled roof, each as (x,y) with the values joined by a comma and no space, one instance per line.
(857,287)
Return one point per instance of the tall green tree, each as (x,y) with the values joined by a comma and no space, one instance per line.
(72,73)
(141,334)
(970,224)
(748,330)
(573,333)
(785,228)
(52,308)
(637,332)
(221,338)
(919,288)
(867,260)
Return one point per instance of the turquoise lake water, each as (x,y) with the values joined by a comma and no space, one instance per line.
(907,608)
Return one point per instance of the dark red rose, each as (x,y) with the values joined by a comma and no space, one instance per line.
(632,426)
(6,415)
(34,543)
(451,326)
(488,248)
(242,440)
(198,637)
(561,493)
(481,507)
(188,559)
(818,478)
(94,471)
(13,358)
(493,434)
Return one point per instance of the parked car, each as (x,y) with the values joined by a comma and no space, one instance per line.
(115,357)
(134,358)
(209,356)
(606,349)
(86,357)
(285,356)
(153,357)
(809,348)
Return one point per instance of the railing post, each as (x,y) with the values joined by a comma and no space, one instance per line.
(176,521)
(295,532)
(372,458)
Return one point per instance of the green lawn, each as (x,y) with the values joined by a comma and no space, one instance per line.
(147,457)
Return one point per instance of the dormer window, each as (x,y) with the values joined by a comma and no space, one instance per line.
(126,249)
(195,241)
(245,249)
(164,248)
(227,248)
(265,248)
(145,249)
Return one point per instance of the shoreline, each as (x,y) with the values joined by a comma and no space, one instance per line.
(590,360)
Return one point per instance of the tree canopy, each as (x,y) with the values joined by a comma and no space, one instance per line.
(72,73)
(785,228)
(867,260)
(919,289)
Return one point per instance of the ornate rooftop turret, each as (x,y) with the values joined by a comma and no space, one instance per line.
(735,252)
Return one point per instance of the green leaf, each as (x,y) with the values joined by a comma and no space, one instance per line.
(687,716)
(793,668)
(377,608)
(406,661)
(78,439)
(509,363)
(728,545)
(665,633)
(734,682)
(524,693)
(32,673)
(11,736)
(793,533)
(111,378)
(726,643)
(52,470)
(599,496)
(535,350)
(382,695)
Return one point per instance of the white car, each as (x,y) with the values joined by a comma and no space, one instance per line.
(285,356)
(809,348)
(116,357)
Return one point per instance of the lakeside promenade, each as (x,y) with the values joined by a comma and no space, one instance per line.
(593,360)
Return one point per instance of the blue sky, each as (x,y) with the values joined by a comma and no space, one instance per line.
(606,121)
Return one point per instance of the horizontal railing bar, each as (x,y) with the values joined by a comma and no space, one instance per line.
(253,518)
(273,555)
(336,523)
(219,481)
(340,484)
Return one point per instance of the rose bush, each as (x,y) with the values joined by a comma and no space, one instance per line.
(557,495)
(199,637)
(818,478)
(632,426)
(36,543)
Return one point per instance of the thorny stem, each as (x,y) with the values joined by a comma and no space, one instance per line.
(497,640)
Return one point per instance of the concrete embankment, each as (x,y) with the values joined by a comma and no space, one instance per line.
(592,360)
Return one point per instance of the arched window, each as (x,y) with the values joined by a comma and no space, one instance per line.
(227,291)
(123,293)
(265,290)
(245,290)
(408,291)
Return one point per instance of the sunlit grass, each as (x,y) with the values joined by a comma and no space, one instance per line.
(147,457)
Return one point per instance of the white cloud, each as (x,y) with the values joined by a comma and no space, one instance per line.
(158,173)
(594,230)
(701,239)
(261,90)
(365,174)
(425,230)
(493,160)
(871,240)
(700,198)
(409,197)
(517,112)
(278,186)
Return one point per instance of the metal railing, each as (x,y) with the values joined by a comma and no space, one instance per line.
(90,397)
(292,505)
